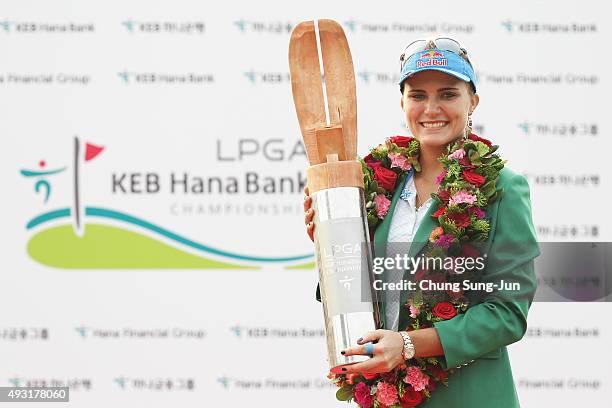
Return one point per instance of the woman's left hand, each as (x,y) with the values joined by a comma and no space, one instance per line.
(388,352)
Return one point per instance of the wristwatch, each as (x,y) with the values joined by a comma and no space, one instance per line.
(409,351)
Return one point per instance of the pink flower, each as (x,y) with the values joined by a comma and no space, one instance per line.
(457,154)
(386,393)
(416,378)
(462,196)
(445,240)
(398,160)
(382,205)
(477,212)
(414,311)
(441,176)
(362,395)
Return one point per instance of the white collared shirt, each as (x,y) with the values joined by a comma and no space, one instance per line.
(405,223)
(406,218)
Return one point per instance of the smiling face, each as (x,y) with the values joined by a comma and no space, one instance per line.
(436,106)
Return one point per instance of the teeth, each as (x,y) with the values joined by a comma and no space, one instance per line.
(433,124)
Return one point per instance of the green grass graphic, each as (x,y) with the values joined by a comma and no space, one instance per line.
(307,265)
(107,247)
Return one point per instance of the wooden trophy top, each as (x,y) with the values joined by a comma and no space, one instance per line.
(330,138)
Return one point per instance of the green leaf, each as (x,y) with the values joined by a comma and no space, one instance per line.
(345,393)
(417,298)
(372,220)
(413,147)
(475,158)
(437,198)
(469,145)
(454,170)
(449,226)
(482,148)
(481,225)
(481,199)
(488,189)
(499,166)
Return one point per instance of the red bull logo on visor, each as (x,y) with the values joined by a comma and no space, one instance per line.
(431,54)
(432,58)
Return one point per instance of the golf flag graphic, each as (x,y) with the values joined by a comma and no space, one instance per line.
(91,151)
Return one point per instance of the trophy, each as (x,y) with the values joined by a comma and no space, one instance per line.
(323,85)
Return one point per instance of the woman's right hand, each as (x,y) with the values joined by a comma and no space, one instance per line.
(308,214)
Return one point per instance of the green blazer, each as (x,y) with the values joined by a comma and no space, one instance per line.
(475,342)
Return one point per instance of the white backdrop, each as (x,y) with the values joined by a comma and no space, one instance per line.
(183,290)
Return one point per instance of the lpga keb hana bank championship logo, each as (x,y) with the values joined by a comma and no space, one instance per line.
(90,237)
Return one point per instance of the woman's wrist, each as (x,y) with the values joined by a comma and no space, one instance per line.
(426,342)
(408,351)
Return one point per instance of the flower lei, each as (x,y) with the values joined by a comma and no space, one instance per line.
(466,186)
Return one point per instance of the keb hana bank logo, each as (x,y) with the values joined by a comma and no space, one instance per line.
(432,58)
(77,235)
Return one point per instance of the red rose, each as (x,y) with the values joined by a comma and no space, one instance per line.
(473,178)
(386,178)
(466,163)
(479,139)
(401,141)
(411,398)
(437,372)
(440,211)
(373,164)
(444,196)
(461,219)
(445,310)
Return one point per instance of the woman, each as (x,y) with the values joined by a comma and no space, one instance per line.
(438,89)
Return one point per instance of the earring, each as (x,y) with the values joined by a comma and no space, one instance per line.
(468,128)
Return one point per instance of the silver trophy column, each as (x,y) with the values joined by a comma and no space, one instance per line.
(344,259)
